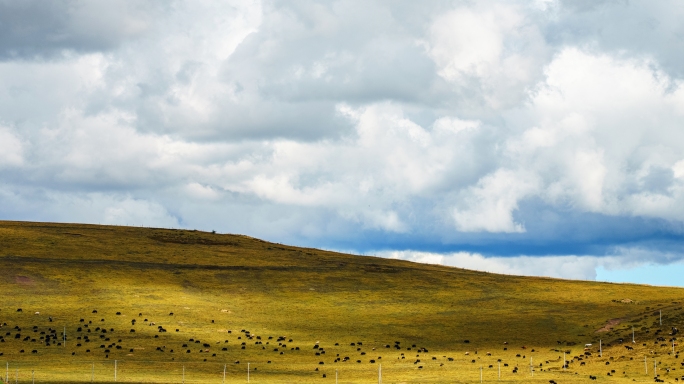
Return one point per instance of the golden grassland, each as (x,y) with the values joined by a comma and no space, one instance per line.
(298,311)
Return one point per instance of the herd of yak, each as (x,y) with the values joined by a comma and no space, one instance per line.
(98,339)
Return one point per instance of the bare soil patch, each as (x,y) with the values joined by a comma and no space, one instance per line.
(609,325)
(24,280)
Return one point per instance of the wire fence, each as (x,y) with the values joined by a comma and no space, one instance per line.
(198,372)
(112,371)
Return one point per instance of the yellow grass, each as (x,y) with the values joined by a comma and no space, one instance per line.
(218,283)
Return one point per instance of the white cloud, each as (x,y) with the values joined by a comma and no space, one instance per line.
(389,159)
(568,267)
(137,212)
(491,43)
(11,148)
(678,169)
(602,124)
(199,191)
(583,267)
(489,206)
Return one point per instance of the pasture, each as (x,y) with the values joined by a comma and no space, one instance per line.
(82,303)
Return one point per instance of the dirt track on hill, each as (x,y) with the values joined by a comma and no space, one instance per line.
(609,325)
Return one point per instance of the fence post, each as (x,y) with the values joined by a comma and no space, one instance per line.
(115,363)
(248,372)
(531,367)
(224,373)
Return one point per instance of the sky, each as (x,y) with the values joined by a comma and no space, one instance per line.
(538,137)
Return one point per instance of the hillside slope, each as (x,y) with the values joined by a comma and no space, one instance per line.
(218,283)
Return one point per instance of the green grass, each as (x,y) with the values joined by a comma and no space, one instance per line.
(219,283)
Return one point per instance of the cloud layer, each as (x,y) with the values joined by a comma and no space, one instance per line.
(607,268)
(495,128)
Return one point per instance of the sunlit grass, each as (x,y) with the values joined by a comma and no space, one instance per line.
(218,283)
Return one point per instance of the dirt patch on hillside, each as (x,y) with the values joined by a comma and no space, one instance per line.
(609,325)
(24,280)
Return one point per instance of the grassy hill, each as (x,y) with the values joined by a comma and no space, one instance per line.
(298,311)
